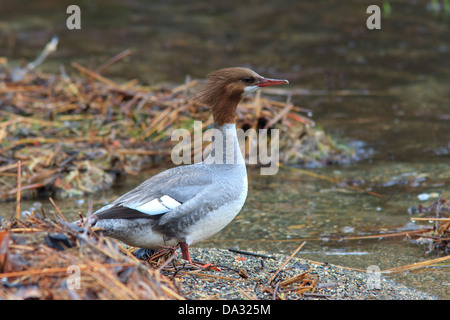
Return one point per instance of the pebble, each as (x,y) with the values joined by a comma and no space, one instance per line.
(423,196)
(244,276)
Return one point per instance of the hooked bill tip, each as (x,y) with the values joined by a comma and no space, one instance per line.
(265,82)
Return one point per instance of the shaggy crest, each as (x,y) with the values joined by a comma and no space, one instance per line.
(223,90)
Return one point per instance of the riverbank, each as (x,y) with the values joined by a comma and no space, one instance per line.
(51,259)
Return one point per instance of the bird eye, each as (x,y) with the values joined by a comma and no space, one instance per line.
(249,79)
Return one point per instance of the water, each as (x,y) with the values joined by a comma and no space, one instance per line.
(397,113)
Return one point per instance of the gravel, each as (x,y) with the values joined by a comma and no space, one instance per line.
(247,277)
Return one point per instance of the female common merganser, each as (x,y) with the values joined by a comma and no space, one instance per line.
(190,203)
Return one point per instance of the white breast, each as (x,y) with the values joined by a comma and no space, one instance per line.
(218,219)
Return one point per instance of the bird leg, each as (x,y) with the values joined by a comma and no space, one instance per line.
(186,256)
(185,251)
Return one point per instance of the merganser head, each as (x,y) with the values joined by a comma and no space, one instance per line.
(224,89)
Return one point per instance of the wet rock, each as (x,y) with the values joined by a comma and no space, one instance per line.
(58,241)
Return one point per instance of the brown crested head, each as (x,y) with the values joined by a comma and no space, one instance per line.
(224,88)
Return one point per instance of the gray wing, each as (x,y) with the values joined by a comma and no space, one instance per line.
(162,196)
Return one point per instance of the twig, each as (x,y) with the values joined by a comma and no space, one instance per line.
(31,272)
(274,294)
(280,115)
(438,213)
(284,264)
(19,183)
(294,279)
(388,235)
(248,295)
(57,210)
(417,265)
(95,75)
(113,60)
(251,253)
(20,230)
(187,84)
(167,261)
(301,119)
(319,295)
(125,109)
(197,273)
(430,219)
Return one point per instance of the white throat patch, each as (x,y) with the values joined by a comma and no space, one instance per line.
(251,89)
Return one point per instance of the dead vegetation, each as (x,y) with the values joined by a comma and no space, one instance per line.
(438,213)
(76,134)
(48,258)
(43,258)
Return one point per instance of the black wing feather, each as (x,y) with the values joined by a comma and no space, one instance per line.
(120,212)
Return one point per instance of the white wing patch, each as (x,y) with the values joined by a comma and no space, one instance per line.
(158,206)
(169,202)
